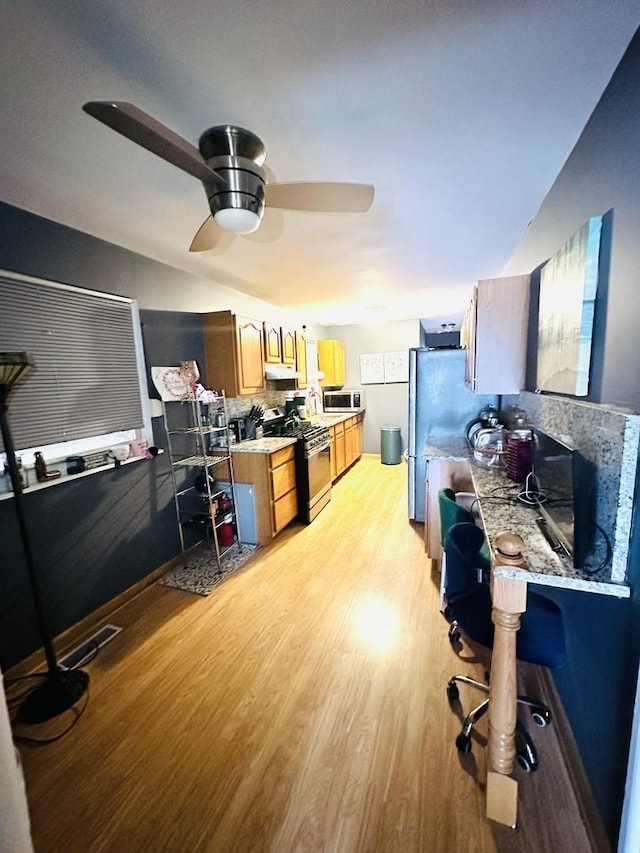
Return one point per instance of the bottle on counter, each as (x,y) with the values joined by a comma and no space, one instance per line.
(42,474)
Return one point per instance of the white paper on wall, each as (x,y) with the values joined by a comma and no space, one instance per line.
(371,368)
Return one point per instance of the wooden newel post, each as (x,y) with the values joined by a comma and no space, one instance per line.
(502,690)
(509,597)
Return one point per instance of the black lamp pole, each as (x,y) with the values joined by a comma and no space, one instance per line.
(61,688)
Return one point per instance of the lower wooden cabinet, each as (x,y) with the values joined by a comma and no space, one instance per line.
(273,476)
(347,444)
(441,474)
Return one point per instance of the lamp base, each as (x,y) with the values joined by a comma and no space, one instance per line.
(57,693)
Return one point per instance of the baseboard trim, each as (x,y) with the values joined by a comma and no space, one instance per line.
(589,811)
(71,637)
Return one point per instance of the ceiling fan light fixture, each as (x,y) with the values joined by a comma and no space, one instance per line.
(237,220)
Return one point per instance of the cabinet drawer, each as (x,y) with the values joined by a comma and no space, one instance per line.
(283,479)
(279,457)
(285,510)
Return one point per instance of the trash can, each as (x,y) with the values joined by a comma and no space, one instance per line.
(390,445)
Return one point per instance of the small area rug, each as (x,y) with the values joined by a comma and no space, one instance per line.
(201,576)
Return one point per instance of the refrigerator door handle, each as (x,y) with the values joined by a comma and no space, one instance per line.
(412,487)
(413,363)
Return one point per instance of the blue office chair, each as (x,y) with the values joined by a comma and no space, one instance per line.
(540,639)
(452,512)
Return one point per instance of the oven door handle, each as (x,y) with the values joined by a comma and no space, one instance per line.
(309,454)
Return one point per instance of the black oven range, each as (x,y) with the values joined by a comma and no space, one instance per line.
(313,463)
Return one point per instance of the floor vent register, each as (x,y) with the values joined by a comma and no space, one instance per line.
(88,647)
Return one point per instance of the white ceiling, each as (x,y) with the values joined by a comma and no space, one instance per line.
(460,112)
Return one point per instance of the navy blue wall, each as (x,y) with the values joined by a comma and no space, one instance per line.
(96,536)
(602,176)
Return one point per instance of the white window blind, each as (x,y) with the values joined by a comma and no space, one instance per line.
(85,377)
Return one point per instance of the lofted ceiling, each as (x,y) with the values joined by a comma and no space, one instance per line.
(460,112)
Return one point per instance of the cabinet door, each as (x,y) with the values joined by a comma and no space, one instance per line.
(441,474)
(301,358)
(283,479)
(250,362)
(357,436)
(332,454)
(284,511)
(339,364)
(272,347)
(500,334)
(341,463)
(349,443)
(288,345)
(331,360)
(468,340)
(221,351)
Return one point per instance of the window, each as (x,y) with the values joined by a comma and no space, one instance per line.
(87,389)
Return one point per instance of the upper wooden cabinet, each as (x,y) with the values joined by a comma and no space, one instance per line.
(301,359)
(288,346)
(234,347)
(272,344)
(331,361)
(494,333)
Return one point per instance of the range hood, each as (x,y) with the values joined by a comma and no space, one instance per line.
(280,371)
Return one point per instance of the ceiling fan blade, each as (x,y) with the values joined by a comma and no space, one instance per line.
(144,130)
(320,197)
(210,236)
(271,228)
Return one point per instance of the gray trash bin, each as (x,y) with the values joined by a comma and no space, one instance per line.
(390,445)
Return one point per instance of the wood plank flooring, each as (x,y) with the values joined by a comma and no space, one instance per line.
(300,707)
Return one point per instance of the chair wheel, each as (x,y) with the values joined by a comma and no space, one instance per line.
(541,718)
(463,743)
(524,764)
(526,755)
(453,694)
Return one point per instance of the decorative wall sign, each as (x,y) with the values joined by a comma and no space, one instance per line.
(378,368)
(169,383)
(568,286)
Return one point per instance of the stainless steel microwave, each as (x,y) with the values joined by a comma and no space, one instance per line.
(343,401)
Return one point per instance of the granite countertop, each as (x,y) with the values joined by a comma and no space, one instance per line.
(500,511)
(333,418)
(263,445)
(450,448)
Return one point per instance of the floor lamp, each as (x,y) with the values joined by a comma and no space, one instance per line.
(60,688)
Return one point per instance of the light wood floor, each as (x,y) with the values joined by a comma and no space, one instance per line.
(300,707)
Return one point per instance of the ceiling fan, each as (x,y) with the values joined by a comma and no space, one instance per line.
(229,163)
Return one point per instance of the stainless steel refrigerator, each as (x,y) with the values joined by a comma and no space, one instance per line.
(440,405)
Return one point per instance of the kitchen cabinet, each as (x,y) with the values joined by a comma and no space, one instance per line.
(197,437)
(273,476)
(339,445)
(358,435)
(234,353)
(301,359)
(272,344)
(349,446)
(331,361)
(494,334)
(441,474)
(288,345)
(346,447)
